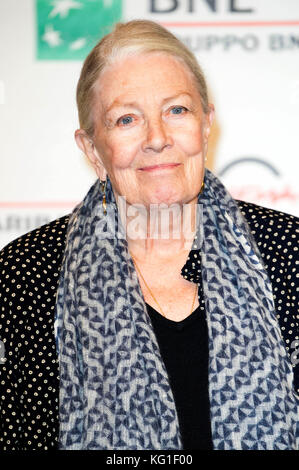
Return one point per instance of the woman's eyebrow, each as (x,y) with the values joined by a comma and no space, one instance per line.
(119,104)
(178,95)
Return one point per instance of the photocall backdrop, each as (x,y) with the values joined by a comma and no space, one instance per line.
(248,50)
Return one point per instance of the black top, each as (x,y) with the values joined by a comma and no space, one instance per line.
(184,350)
(29,378)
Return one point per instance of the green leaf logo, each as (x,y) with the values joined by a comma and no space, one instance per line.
(69,29)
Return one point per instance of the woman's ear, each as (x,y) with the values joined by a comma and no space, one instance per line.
(209,118)
(208,121)
(86,145)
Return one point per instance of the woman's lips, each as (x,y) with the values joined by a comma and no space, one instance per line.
(163,166)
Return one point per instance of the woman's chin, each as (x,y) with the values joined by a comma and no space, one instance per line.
(165,196)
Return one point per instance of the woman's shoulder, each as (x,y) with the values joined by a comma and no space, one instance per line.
(37,244)
(257,216)
(32,262)
(273,230)
(276,236)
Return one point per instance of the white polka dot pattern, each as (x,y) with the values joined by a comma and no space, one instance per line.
(29,271)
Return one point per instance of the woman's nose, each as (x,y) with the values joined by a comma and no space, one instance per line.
(157,137)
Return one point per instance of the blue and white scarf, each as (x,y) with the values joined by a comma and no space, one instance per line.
(114,388)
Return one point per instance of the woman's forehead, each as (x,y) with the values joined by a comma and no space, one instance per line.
(156,75)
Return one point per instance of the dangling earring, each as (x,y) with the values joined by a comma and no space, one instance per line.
(202,186)
(103,189)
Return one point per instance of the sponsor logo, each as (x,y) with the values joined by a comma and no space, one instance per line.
(190,6)
(273,190)
(69,29)
(255,160)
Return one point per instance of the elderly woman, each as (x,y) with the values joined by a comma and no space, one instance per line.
(173,328)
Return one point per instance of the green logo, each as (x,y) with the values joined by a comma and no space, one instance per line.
(69,29)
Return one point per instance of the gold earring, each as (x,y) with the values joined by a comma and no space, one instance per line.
(202,186)
(103,189)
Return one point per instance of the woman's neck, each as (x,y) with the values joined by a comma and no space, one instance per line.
(160,232)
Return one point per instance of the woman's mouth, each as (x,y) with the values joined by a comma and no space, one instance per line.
(162,166)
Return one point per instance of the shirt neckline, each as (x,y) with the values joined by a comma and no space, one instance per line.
(179,325)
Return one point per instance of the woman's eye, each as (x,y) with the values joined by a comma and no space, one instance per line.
(125,120)
(178,110)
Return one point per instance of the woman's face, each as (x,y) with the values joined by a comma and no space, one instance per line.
(150,130)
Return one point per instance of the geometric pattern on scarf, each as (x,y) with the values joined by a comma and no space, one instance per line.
(114,388)
(252,398)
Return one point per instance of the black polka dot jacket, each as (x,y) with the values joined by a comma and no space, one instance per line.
(29,272)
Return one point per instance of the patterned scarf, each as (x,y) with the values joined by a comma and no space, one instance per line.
(114,388)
